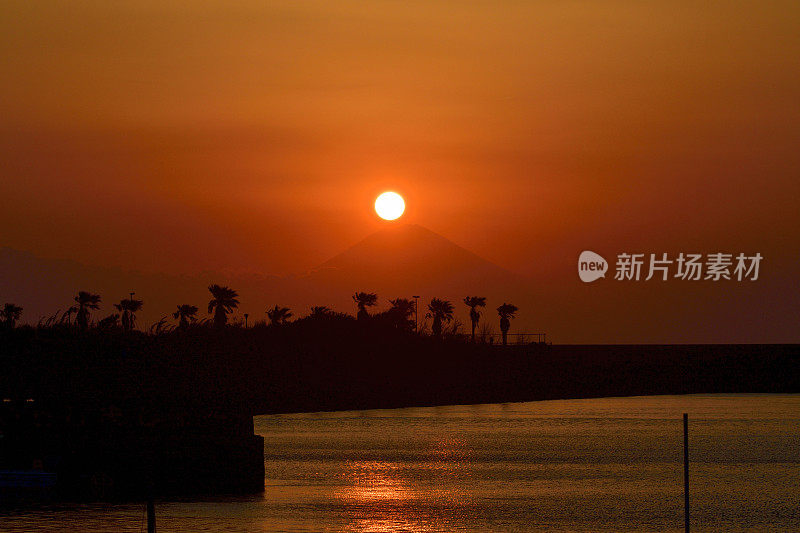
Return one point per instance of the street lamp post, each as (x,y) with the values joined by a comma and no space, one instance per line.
(416,313)
(245,320)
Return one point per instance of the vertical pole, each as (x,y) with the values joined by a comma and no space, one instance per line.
(151,516)
(416,313)
(686,472)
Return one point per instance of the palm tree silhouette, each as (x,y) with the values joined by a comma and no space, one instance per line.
(109,322)
(66,318)
(185,314)
(441,311)
(278,315)
(320,311)
(128,308)
(506,312)
(400,313)
(86,301)
(224,301)
(9,314)
(364,300)
(473,302)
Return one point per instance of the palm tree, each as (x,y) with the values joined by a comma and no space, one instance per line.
(473,302)
(506,312)
(86,301)
(441,311)
(320,311)
(128,307)
(278,315)
(9,314)
(185,314)
(224,301)
(66,318)
(364,300)
(400,313)
(109,322)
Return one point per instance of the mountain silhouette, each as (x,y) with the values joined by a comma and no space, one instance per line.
(399,261)
(408,258)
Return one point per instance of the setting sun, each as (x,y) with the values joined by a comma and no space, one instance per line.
(390,206)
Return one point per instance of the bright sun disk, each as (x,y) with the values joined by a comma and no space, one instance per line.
(390,206)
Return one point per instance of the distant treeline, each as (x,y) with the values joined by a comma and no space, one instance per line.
(403,315)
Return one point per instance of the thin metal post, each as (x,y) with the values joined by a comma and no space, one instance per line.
(686,472)
(151,516)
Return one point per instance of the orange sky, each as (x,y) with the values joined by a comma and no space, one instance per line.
(180,136)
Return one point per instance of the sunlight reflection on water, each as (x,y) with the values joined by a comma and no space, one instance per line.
(575,465)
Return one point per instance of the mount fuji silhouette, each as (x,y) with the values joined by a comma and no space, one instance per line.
(410,258)
(398,261)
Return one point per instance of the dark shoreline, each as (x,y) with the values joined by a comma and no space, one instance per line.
(721,394)
(560,372)
(127,414)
